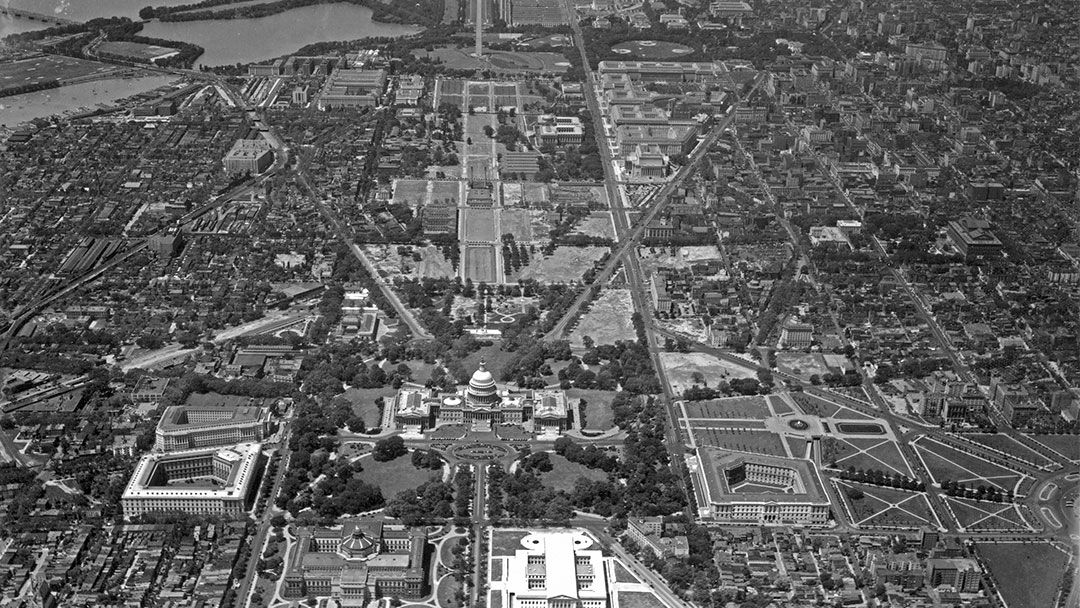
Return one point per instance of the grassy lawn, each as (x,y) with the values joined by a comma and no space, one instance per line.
(1067,445)
(981,515)
(504,543)
(946,463)
(565,473)
(1026,574)
(884,456)
(598,413)
(353,449)
(731,407)
(445,593)
(779,405)
(496,570)
(363,403)
(1009,446)
(639,599)
(623,575)
(396,475)
(874,508)
(496,599)
(757,442)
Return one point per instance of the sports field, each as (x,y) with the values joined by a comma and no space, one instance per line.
(48,68)
(480,264)
(480,226)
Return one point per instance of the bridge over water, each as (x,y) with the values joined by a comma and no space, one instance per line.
(50,19)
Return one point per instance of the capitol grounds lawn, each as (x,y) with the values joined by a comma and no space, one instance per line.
(363,403)
(564,474)
(598,413)
(495,359)
(447,588)
(1027,574)
(638,599)
(396,475)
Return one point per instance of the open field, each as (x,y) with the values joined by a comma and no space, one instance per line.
(135,50)
(363,402)
(608,319)
(947,464)
(681,367)
(504,543)
(480,264)
(480,226)
(395,476)
(732,407)
(47,68)
(518,223)
(411,192)
(887,506)
(741,440)
(865,454)
(1066,445)
(564,265)
(984,515)
(1026,574)
(565,474)
(598,413)
(1010,446)
(443,191)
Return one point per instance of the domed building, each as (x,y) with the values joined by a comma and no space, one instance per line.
(480,404)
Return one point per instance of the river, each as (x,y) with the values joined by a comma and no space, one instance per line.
(18,109)
(231,41)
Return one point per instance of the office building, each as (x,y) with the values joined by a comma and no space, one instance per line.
(554,569)
(350,88)
(186,427)
(962,574)
(214,481)
(757,489)
(249,156)
(358,561)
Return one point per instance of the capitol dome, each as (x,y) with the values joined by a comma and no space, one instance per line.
(482,386)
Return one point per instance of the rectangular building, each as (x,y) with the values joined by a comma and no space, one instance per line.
(185,427)
(730,487)
(249,156)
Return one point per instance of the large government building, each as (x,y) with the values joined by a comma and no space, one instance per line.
(215,481)
(554,569)
(186,427)
(755,489)
(481,404)
(358,561)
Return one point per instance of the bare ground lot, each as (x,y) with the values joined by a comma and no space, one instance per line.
(518,223)
(565,265)
(597,224)
(680,369)
(411,192)
(608,319)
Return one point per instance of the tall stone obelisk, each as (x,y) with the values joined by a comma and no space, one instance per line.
(479,28)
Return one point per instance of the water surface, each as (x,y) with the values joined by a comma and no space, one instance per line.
(18,109)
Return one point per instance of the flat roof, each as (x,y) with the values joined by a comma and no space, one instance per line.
(176,417)
(243,458)
(714,462)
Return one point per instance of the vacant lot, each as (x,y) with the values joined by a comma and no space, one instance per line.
(395,476)
(564,265)
(1026,574)
(480,264)
(565,474)
(518,223)
(803,365)
(446,191)
(682,367)
(598,413)
(433,264)
(608,319)
(597,224)
(480,225)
